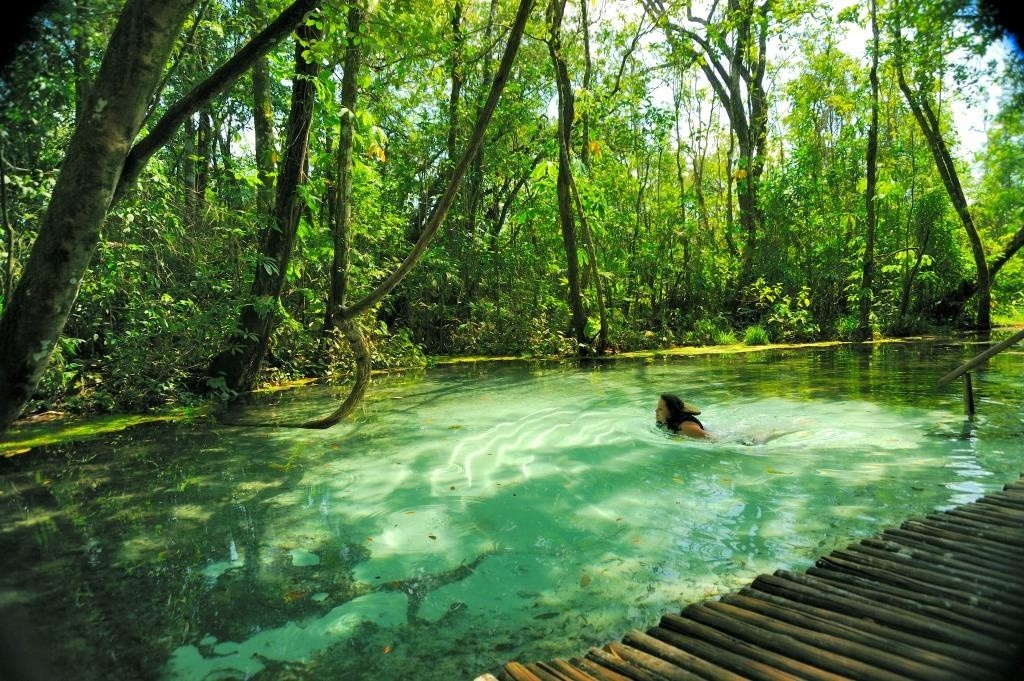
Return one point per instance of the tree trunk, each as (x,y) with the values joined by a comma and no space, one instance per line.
(342,228)
(8,232)
(864,331)
(263,126)
(953,302)
(455,93)
(80,58)
(566,113)
(475,180)
(240,362)
(69,233)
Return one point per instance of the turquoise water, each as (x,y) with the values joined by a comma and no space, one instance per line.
(468,516)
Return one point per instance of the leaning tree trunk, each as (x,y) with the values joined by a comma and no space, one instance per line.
(346,319)
(239,364)
(69,233)
(74,224)
(929,124)
(219,81)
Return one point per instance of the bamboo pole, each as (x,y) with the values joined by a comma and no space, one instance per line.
(570,672)
(660,659)
(613,662)
(914,656)
(970,364)
(941,606)
(810,590)
(753,662)
(595,670)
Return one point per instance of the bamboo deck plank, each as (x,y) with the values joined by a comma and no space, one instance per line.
(939,598)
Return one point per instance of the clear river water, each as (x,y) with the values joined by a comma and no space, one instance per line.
(470,515)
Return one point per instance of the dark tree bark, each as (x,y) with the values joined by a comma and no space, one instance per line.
(239,364)
(603,343)
(455,93)
(953,302)
(566,115)
(864,331)
(342,228)
(8,229)
(475,178)
(69,233)
(70,230)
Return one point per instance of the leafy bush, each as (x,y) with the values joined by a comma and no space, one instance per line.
(756,335)
(707,330)
(788,318)
(725,338)
(847,327)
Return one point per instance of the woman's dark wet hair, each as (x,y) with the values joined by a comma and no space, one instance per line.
(675,410)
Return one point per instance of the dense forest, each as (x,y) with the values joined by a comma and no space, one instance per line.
(201,196)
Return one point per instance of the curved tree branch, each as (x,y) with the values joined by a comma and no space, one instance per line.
(345,319)
(472,147)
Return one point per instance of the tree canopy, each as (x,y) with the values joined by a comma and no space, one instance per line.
(201,197)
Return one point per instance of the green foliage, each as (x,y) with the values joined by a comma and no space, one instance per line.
(709,331)
(725,338)
(787,318)
(756,335)
(176,258)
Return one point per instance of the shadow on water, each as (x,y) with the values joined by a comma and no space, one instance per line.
(471,516)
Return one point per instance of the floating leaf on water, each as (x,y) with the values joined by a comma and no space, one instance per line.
(545,615)
(410,512)
(775,471)
(454,427)
(432,536)
(585,581)
(387,649)
(676,479)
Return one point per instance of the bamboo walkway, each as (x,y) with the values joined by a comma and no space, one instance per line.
(940,597)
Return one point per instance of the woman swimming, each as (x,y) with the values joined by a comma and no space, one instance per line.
(679,417)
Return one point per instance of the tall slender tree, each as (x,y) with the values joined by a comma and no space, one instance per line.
(346,318)
(871,220)
(342,228)
(240,362)
(731,50)
(566,118)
